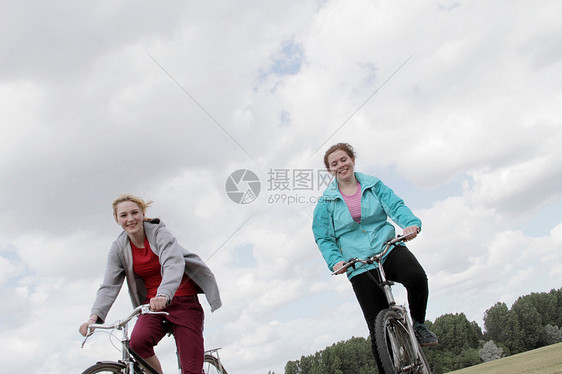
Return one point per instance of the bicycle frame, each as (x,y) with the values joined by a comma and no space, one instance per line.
(385,285)
(130,360)
(128,356)
(127,352)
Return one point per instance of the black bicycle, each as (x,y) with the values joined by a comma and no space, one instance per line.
(398,348)
(131,362)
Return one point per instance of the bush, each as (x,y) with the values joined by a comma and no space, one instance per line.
(552,334)
(490,352)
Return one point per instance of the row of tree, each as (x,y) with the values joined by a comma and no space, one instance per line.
(533,321)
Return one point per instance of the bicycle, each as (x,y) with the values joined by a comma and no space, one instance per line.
(397,346)
(131,362)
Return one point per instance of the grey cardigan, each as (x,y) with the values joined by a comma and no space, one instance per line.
(174,259)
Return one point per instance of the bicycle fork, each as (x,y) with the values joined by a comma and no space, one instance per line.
(402,311)
(125,356)
(386,287)
(128,356)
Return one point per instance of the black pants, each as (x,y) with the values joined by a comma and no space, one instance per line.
(400,266)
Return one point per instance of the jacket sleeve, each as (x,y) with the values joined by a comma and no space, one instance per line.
(200,273)
(324,234)
(395,208)
(176,261)
(172,262)
(112,283)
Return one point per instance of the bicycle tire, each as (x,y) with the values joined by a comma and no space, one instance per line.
(107,367)
(212,365)
(424,359)
(396,347)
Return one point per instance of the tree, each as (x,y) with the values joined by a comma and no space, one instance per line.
(490,351)
(458,343)
(456,333)
(495,320)
(558,295)
(551,335)
(513,336)
(530,322)
(292,367)
(350,357)
(502,326)
(547,304)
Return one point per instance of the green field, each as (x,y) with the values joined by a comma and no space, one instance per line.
(545,360)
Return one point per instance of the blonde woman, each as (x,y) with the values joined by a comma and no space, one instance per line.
(158,271)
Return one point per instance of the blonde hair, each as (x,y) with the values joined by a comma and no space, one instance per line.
(143,205)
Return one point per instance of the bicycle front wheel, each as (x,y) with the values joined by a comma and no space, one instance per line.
(212,365)
(398,350)
(107,367)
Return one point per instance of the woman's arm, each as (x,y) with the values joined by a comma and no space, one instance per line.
(172,262)
(325,237)
(111,285)
(395,208)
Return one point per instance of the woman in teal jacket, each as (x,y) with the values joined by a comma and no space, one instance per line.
(351,220)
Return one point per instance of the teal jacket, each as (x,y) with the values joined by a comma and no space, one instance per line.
(340,238)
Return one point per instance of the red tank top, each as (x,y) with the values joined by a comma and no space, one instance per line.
(147,265)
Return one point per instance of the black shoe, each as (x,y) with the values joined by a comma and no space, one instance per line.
(424,336)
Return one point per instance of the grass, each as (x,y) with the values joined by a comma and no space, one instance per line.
(545,360)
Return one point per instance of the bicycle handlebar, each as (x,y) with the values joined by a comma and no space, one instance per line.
(399,238)
(376,258)
(141,309)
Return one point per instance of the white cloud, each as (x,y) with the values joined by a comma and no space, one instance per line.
(166,102)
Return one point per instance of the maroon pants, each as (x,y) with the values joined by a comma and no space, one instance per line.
(186,319)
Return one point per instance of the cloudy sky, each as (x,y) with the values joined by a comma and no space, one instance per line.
(456,105)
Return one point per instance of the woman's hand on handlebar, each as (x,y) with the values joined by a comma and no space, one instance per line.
(340,267)
(158,303)
(84,327)
(411,232)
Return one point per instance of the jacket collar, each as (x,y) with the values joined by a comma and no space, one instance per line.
(366,181)
(150,228)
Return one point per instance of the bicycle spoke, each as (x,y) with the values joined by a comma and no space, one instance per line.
(395,345)
(107,367)
(212,365)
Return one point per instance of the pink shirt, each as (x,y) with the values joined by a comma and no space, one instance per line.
(354,204)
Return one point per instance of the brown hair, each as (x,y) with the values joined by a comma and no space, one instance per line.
(137,200)
(339,147)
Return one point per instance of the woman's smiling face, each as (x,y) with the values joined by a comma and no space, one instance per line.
(341,165)
(130,217)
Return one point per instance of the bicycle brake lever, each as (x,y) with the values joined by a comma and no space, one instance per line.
(352,265)
(86,338)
